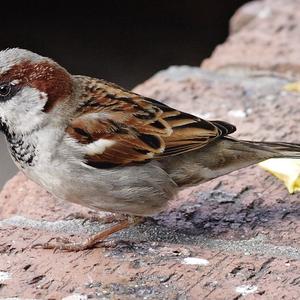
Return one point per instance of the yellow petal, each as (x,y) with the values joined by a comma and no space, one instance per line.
(292,87)
(287,170)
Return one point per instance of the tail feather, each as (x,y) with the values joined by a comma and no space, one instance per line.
(278,149)
(223,156)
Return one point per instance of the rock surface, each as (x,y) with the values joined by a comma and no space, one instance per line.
(234,237)
(265,36)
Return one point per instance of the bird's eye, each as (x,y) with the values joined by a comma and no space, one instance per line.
(5,89)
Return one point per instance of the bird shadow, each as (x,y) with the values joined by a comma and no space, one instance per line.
(221,215)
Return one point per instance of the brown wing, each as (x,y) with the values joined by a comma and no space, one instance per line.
(118,127)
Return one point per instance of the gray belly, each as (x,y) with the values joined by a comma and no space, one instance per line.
(138,190)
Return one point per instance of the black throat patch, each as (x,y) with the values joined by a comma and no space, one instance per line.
(22,152)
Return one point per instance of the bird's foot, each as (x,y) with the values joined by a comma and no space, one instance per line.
(92,241)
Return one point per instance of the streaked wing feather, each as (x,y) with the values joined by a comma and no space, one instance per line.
(140,128)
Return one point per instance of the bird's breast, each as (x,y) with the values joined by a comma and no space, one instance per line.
(23,153)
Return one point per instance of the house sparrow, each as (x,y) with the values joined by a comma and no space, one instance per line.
(94,143)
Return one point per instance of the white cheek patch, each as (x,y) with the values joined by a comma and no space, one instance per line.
(99,146)
(24,110)
(28,98)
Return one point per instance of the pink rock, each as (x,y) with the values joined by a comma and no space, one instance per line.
(265,37)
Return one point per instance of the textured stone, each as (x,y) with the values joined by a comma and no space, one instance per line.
(245,14)
(266,37)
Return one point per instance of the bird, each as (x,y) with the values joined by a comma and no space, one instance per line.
(94,143)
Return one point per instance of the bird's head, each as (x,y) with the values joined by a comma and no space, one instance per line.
(32,88)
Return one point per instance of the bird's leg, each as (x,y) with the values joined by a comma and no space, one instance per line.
(94,217)
(90,242)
